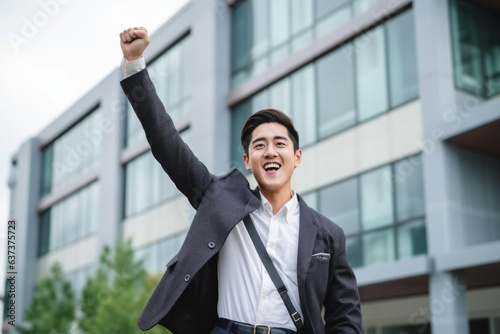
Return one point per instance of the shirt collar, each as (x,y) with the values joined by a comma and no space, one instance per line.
(287,209)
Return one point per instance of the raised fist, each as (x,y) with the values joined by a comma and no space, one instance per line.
(133,42)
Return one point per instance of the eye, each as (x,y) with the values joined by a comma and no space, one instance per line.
(281,144)
(259,146)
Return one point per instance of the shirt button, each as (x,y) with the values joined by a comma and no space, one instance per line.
(187,278)
(211,245)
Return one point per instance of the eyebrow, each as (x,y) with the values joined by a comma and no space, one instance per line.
(264,138)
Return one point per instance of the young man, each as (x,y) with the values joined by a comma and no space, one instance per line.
(217,282)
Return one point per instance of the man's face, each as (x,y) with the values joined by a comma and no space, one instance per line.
(271,157)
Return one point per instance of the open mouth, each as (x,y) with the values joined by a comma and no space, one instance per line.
(271,167)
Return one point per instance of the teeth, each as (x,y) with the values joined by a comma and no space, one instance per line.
(269,166)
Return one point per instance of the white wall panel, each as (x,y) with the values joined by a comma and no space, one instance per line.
(76,255)
(159,222)
(374,143)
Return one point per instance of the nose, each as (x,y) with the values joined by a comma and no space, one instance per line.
(270,152)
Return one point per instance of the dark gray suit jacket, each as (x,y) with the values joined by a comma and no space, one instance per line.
(185,300)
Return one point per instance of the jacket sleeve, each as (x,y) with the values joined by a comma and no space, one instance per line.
(342,304)
(190,175)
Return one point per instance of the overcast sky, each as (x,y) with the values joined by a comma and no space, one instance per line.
(51,53)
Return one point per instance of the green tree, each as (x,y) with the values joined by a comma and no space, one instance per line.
(52,309)
(115,296)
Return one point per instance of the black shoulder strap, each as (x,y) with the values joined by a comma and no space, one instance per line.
(275,277)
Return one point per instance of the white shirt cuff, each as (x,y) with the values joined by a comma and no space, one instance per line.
(130,68)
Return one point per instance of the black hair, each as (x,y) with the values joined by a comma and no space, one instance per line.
(268,116)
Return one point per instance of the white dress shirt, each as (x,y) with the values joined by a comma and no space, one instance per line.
(132,67)
(246,291)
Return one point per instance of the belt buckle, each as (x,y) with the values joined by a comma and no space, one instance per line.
(260,325)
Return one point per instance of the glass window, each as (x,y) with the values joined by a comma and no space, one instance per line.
(492,54)
(155,180)
(371,73)
(73,154)
(174,78)
(324,7)
(279,95)
(361,6)
(54,229)
(260,101)
(260,65)
(44,235)
(70,219)
(336,109)
(71,213)
(94,204)
(378,247)
(476,47)
(311,199)
(279,21)
(130,172)
(412,239)
(302,14)
(264,33)
(158,71)
(154,258)
(376,198)
(83,202)
(402,59)
(239,116)
(340,204)
(261,42)
(353,251)
(467,49)
(358,81)
(409,184)
(379,239)
(303,107)
(47,158)
(301,40)
(279,53)
(332,21)
(241,36)
(147,184)
(142,183)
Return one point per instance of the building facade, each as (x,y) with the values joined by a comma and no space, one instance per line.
(397,104)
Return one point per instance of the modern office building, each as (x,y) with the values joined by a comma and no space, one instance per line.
(397,103)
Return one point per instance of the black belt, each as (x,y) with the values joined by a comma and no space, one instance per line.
(243,328)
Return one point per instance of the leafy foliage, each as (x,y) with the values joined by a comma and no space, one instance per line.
(115,296)
(52,310)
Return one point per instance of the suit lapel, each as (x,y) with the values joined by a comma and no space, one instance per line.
(253,203)
(307,239)
(307,233)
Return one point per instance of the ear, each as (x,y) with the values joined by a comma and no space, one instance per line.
(298,158)
(246,159)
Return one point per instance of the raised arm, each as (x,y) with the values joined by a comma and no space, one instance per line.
(189,175)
